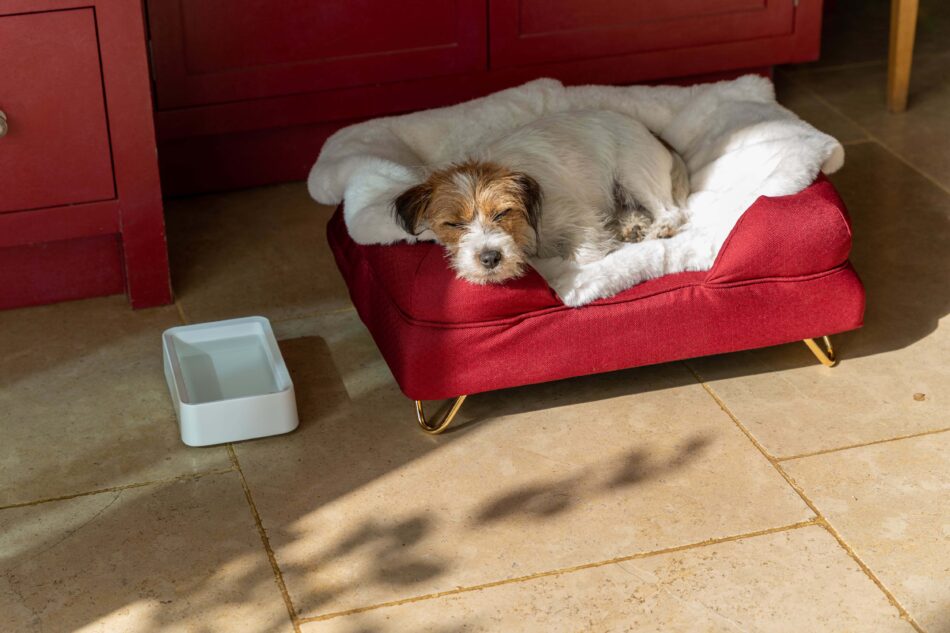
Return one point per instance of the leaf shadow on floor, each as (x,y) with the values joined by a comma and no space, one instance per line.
(130,542)
(547,499)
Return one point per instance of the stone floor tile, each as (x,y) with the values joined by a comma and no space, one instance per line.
(891,503)
(786,582)
(183,556)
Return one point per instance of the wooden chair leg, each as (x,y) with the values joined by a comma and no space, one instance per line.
(901,53)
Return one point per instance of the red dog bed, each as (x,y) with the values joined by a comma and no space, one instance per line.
(782,275)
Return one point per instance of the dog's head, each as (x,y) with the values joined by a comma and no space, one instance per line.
(484,214)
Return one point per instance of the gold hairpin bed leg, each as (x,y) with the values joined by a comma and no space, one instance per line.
(827,355)
(435,429)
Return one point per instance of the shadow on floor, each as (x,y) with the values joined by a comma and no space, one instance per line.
(901,225)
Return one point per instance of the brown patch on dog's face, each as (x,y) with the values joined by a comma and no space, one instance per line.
(484,214)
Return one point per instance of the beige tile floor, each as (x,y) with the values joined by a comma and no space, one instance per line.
(755,491)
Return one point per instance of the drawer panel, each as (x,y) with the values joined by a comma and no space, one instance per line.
(217,51)
(56,151)
(525,32)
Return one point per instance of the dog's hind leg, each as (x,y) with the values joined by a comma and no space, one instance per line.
(668,215)
(664,216)
(659,189)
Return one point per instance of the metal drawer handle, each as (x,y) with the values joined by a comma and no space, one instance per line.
(3,124)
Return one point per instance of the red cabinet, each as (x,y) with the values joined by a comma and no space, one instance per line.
(80,204)
(248,90)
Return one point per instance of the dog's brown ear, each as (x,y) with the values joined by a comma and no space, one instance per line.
(531,198)
(410,207)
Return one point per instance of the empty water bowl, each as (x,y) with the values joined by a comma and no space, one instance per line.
(228,381)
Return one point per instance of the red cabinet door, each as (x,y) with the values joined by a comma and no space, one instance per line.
(56,150)
(214,51)
(537,31)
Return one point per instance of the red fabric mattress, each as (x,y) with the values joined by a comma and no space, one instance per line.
(782,275)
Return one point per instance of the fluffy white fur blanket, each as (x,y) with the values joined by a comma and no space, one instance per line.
(737,141)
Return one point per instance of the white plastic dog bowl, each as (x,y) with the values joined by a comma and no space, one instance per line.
(228,381)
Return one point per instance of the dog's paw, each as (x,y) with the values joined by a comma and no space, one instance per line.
(634,232)
(662,230)
(635,227)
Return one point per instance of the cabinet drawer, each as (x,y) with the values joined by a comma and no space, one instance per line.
(527,32)
(56,150)
(215,51)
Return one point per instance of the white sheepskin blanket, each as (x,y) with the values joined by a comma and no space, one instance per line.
(737,141)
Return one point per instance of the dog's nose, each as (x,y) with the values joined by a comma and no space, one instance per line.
(489,259)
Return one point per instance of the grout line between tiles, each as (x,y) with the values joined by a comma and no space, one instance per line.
(860,141)
(827,69)
(310,315)
(562,571)
(181,312)
(820,518)
(265,541)
(801,72)
(874,443)
(318,313)
(140,484)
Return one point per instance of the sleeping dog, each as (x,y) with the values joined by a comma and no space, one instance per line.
(573,185)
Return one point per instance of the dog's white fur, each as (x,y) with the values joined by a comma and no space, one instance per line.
(582,160)
(738,144)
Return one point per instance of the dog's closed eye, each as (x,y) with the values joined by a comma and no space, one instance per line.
(453,225)
(501,214)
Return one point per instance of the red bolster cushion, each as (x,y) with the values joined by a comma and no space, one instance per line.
(786,236)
